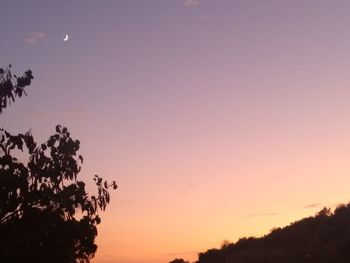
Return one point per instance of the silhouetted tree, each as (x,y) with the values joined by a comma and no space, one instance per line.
(46,215)
(211,256)
(12,86)
(178,260)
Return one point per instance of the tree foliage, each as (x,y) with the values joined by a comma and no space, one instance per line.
(12,86)
(178,260)
(46,215)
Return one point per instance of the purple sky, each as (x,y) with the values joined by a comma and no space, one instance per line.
(218,119)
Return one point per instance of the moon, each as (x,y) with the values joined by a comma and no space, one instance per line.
(65,38)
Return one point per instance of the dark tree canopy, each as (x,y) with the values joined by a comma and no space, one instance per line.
(46,215)
(12,86)
(178,260)
(323,238)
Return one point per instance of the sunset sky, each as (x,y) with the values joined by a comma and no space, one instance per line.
(218,119)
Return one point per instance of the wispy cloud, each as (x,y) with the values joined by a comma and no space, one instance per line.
(74,110)
(39,114)
(35,37)
(262,214)
(191,186)
(312,205)
(200,18)
(191,2)
(174,254)
(69,112)
(277,175)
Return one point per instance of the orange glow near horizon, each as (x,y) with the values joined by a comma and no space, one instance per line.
(218,119)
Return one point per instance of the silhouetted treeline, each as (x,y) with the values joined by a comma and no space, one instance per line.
(322,238)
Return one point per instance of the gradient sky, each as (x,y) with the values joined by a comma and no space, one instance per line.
(218,118)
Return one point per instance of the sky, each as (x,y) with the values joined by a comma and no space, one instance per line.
(218,119)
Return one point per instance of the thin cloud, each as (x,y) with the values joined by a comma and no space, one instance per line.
(201,18)
(184,253)
(191,2)
(73,110)
(312,205)
(39,114)
(261,214)
(69,112)
(35,37)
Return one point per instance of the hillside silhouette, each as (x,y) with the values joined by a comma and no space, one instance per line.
(322,238)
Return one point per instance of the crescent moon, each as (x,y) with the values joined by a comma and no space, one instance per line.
(65,38)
